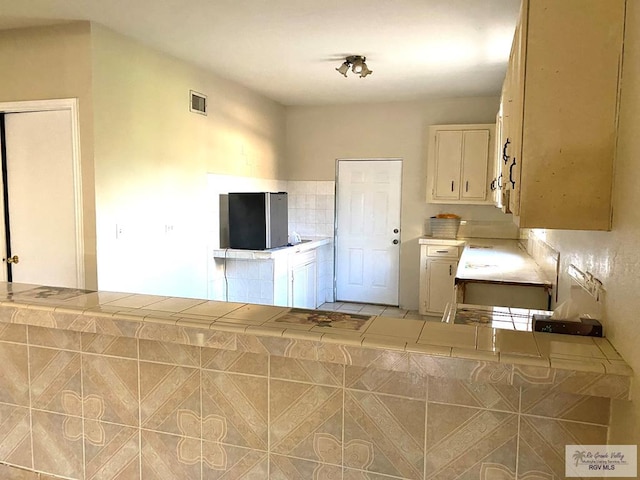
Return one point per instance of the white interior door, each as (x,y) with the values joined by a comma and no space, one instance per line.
(41,198)
(368,231)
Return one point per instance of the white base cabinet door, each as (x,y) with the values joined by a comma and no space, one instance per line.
(438,265)
(440,277)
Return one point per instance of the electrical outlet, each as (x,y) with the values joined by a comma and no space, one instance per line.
(119,231)
(168,229)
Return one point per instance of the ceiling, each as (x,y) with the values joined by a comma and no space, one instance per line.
(288,49)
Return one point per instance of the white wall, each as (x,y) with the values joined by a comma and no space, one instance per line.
(152,157)
(317,136)
(614,257)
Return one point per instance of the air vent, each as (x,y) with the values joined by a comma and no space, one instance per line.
(198,103)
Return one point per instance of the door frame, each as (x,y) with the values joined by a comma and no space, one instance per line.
(70,104)
(335,217)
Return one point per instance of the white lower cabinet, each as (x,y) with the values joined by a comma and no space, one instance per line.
(438,265)
(303,275)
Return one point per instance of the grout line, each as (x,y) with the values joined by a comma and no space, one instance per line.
(84,452)
(426,415)
(518,432)
(33,465)
(200,414)
(139,409)
(268,416)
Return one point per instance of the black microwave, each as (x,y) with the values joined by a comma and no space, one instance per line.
(258,220)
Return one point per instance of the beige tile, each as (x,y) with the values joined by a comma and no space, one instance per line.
(194,323)
(95,299)
(306,371)
(607,349)
(111,451)
(256,312)
(235,361)
(161,320)
(175,304)
(213,308)
(507,341)
(542,444)
(384,381)
(57,444)
(237,321)
(303,335)
(396,327)
(384,434)
(170,456)
(478,395)
(382,341)
(306,421)
(235,409)
(263,330)
(112,384)
(581,366)
(170,399)
(437,350)
(339,339)
(135,301)
(13,333)
(10,472)
(15,437)
(55,380)
(168,352)
(618,367)
(49,337)
(110,345)
(525,360)
(228,327)
(385,359)
(473,354)
(289,468)
(448,335)
(566,406)
(460,440)
(221,461)
(14,381)
(477,371)
(550,344)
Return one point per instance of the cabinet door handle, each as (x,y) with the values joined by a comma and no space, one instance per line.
(505,157)
(442,251)
(513,182)
(493,185)
(499,182)
(452,185)
(450,269)
(466,186)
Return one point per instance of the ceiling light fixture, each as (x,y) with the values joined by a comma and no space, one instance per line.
(357,65)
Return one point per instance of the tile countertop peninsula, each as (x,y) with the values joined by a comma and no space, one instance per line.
(580,365)
(119,385)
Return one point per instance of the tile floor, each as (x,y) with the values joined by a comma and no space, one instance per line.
(382,310)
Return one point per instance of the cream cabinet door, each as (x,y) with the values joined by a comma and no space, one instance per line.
(475,156)
(460,158)
(448,164)
(441,280)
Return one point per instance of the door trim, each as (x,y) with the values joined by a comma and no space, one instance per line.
(70,104)
(335,217)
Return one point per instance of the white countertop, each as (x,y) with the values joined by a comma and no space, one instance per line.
(498,261)
(307,244)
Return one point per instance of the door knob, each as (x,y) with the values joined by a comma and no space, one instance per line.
(13,259)
(395,230)
(395,241)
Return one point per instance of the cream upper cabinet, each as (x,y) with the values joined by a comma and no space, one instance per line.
(560,99)
(460,160)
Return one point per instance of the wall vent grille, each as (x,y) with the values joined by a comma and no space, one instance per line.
(197,102)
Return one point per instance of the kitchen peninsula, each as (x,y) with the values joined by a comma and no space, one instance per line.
(101,384)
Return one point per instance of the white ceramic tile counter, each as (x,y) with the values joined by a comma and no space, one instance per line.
(238,254)
(499,261)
